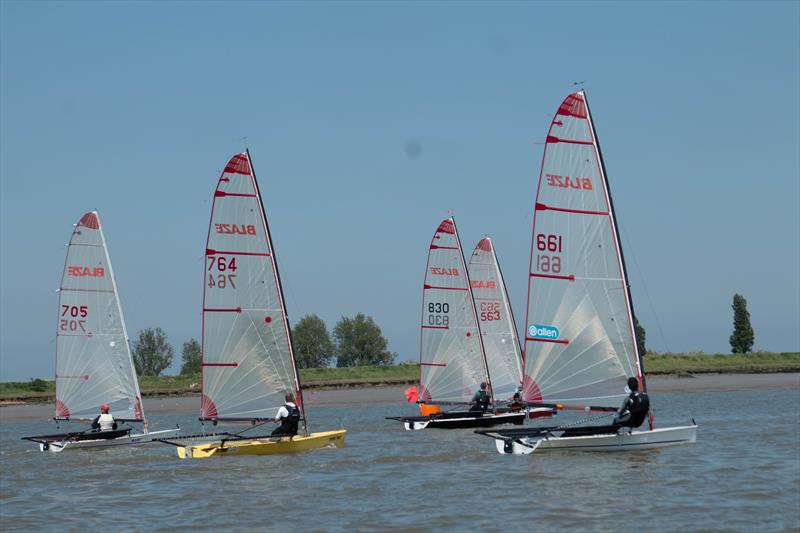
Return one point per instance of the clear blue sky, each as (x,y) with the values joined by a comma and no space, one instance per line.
(134,108)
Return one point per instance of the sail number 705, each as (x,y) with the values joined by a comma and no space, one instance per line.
(74,314)
(219,268)
(548,262)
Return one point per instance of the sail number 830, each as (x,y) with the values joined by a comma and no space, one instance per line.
(548,262)
(219,272)
(437,314)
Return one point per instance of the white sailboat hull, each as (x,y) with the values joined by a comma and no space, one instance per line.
(127,440)
(635,440)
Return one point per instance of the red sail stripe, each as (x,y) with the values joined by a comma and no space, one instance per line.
(556,341)
(553,139)
(542,207)
(571,277)
(210,251)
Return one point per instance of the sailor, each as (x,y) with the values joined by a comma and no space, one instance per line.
(634,409)
(516,399)
(104,421)
(289,418)
(480,401)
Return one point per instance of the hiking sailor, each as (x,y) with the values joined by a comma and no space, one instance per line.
(289,417)
(104,421)
(480,401)
(634,409)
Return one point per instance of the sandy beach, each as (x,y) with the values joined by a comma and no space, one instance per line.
(394,394)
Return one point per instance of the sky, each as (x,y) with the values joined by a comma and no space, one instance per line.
(369,122)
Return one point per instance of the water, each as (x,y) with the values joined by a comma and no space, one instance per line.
(743,474)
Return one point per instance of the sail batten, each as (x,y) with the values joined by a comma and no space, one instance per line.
(248,362)
(94,365)
(579,339)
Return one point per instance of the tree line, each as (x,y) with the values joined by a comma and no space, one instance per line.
(356,341)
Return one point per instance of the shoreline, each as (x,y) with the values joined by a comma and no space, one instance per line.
(393,394)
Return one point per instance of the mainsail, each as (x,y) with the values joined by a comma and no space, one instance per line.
(498,329)
(579,343)
(248,363)
(93,361)
(452,359)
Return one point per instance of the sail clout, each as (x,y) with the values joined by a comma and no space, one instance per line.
(503,352)
(93,361)
(579,341)
(248,364)
(452,360)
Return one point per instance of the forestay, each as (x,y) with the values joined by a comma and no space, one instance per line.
(93,360)
(579,345)
(248,364)
(499,332)
(452,360)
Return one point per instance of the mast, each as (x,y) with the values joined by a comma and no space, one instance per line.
(474,312)
(138,398)
(299,390)
(626,284)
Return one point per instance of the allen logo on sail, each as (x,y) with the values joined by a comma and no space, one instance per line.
(79,272)
(537,331)
(235,229)
(436,271)
(480,284)
(565,182)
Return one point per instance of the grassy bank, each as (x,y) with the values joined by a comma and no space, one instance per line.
(655,363)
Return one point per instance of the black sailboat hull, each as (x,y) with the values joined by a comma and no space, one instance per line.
(460,420)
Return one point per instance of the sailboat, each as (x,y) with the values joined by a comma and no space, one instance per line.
(580,346)
(93,360)
(248,360)
(453,360)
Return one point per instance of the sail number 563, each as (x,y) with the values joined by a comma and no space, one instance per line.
(219,272)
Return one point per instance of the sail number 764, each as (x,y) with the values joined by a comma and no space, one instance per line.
(219,272)
(548,262)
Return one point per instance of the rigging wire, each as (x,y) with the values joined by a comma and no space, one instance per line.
(629,246)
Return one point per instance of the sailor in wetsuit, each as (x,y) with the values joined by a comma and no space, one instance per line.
(104,421)
(634,409)
(516,400)
(480,401)
(289,417)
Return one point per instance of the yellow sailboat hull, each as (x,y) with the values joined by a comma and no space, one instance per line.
(264,446)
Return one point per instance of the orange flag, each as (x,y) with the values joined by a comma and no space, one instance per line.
(411,394)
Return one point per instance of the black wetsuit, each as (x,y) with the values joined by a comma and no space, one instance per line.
(289,424)
(480,402)
(633,411)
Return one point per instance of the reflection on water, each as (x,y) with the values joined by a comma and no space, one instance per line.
(743,474)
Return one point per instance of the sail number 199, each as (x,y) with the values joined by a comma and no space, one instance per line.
(549,262)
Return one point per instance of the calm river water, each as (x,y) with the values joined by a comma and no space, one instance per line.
(742,475)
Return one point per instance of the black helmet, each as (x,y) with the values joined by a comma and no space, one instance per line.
(633,384)
(483,384)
